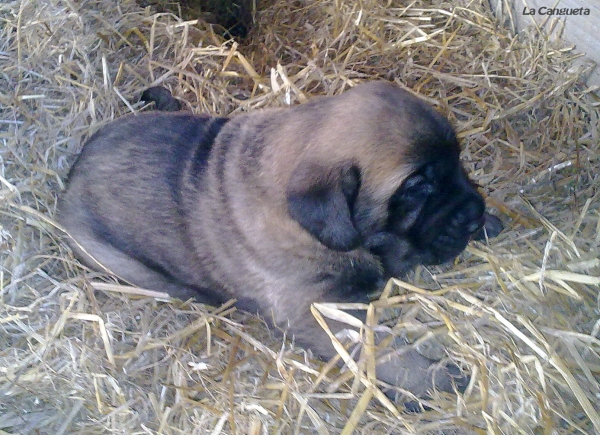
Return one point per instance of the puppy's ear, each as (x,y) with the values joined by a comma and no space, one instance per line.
(321,199)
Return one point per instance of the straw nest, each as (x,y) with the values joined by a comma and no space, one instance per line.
(81,354)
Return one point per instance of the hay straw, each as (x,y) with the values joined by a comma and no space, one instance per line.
(82,354)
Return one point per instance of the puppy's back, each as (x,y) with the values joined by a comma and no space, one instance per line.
(124,194)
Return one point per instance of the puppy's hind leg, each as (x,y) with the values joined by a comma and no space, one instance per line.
(99,255)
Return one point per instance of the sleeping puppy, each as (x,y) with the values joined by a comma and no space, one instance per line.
(278,208)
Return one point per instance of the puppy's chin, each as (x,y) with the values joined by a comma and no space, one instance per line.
(398,255)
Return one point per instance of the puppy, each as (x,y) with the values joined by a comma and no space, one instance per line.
(278,208)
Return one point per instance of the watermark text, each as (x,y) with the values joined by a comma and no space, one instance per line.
(543,10)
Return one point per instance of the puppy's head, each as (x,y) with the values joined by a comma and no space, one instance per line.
(381,171)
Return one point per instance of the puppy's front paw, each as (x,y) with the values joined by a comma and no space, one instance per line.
(406,369)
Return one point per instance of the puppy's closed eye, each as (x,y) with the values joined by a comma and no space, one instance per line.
(408,203)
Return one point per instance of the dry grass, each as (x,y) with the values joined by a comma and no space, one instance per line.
(79,354)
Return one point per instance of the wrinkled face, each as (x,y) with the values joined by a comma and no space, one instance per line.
(436,211)
(429,219)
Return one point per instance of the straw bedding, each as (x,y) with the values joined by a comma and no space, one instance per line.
(81,354)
